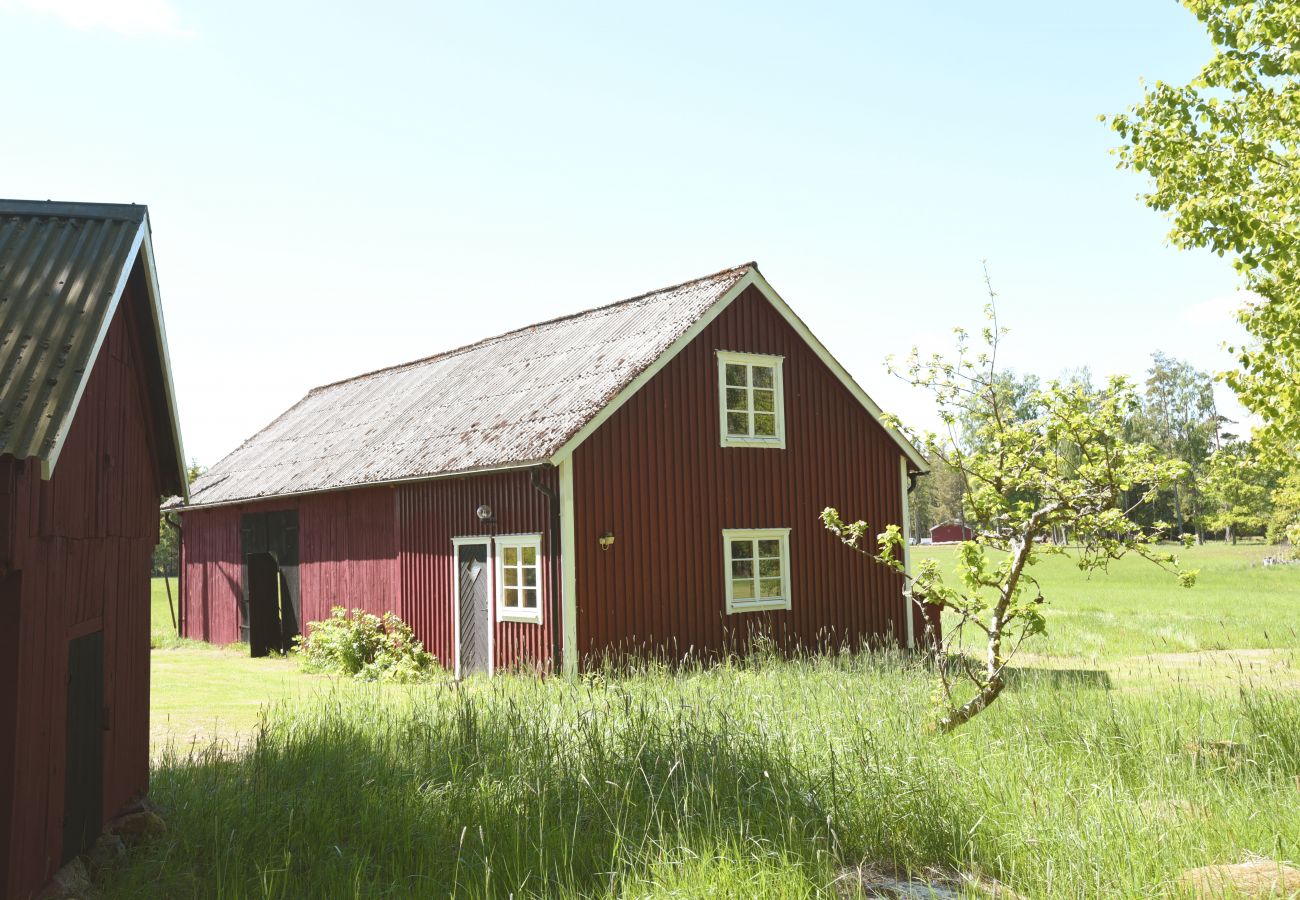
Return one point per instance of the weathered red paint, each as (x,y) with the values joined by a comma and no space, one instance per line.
(76,559)
(380,549)
(656,476)
(951,533)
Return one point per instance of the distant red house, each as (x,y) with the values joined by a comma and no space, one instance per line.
(88,443)
(645,475)
(951,533)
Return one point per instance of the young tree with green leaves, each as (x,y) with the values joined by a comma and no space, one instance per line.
(1239,485)
(1179,418)
(1064,462)
(1284,519)
(1223,152)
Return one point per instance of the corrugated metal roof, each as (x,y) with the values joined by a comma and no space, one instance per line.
(509,400)
(62,268)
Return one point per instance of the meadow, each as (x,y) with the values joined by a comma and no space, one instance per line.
(1152,730)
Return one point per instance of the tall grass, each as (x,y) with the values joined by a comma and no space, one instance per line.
(765,778)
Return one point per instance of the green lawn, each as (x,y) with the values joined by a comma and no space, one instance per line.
(1140,742)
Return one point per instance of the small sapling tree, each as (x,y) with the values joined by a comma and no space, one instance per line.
(1059,463)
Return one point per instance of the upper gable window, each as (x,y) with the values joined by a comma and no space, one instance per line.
(751,403)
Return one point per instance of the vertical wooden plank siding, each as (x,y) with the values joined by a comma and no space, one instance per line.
(347,549)
(431,513)
(378,549)
(81,546)
(656,475)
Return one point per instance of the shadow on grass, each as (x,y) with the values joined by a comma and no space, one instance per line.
(486,795)
(1032,677)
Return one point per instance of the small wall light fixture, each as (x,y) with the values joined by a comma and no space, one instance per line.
(484,512)
(607,540)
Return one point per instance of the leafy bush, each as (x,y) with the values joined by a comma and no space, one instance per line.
(365,646)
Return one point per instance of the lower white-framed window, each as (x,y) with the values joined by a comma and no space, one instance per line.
(757,562)
(519,577)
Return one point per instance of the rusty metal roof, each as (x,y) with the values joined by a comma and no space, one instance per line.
(510,400)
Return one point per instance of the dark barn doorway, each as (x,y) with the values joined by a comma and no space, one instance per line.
(270,614)
(83,785)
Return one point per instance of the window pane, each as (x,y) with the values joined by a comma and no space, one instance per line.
(769,568)
(530,576)
(530,556)
(769,549)
(742,549)
(510,576)
(764,401)
(737,398)
(765,424)
(763,376)
(510,555)
(771,587)
(737,423)
(512,597)
(742,569)
(736,375)
(529,598)
(742,590)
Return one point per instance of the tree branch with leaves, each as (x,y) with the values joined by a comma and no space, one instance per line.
(1059,464)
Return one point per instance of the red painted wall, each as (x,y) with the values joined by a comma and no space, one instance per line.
(951,532)
(378,549)
(347,549)
(80,545)
(431,513)
(656,476)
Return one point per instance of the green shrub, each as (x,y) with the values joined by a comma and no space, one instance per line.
(365,646)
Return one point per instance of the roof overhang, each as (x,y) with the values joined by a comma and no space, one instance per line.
(171,506)
(753,278)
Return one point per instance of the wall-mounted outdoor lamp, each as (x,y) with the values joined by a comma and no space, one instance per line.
(484,513)
(607,540)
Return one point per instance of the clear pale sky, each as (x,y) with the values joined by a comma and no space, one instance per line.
(335,188)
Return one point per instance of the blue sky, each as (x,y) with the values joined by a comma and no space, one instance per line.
(336,188)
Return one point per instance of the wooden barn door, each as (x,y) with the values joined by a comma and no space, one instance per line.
(83,790)
(474,619)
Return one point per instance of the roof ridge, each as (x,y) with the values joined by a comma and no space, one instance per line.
(64,209)
(505,334)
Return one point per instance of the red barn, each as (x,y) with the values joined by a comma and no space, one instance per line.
(88,442)
(951,533)
(645,475)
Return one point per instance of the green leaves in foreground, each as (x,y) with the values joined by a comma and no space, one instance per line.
(1053,471)
(1223,152)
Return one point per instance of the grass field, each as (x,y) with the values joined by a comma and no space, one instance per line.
(1154,730)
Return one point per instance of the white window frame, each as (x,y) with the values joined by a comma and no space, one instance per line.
(726,357)
(756,534)
(517,613)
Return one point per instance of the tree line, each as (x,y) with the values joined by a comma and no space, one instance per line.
(1230,487)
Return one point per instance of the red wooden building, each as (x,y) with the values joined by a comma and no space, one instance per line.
(88,443)
(951,533)
(647,474)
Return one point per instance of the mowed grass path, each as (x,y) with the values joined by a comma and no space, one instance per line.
(1240,621)
(770,778)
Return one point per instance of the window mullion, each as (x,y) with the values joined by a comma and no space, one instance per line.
(749,388)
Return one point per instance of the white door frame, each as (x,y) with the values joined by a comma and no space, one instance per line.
(456,544)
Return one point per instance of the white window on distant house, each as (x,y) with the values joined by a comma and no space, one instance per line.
(758,569)
(519,578)
(750,396)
